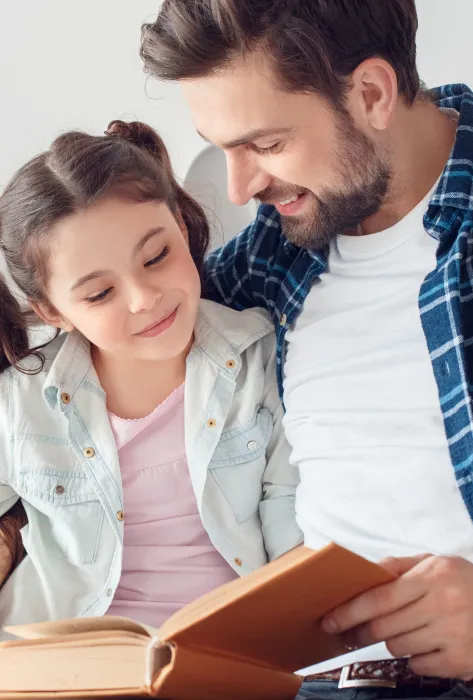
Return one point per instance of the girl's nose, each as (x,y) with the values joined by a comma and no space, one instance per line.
(143,297)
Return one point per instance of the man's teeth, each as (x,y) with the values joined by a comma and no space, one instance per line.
(290,201)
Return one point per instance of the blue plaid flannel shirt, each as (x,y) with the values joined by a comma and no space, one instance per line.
(260,267)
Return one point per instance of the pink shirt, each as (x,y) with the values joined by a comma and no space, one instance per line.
(168,558)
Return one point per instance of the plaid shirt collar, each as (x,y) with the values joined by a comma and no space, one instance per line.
(455,188)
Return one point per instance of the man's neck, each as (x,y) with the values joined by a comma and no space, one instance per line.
(423,139)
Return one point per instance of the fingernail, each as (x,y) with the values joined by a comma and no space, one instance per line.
(329,625)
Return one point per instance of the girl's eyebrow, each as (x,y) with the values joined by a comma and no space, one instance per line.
(149,234)
(100,273)
(87,278)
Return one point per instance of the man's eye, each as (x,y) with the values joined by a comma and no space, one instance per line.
(99,297)
(159,258)
(269,149)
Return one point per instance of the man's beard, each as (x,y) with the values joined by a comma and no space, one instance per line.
(365,178)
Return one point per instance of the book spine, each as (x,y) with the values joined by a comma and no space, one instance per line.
(205,676)
(152,662)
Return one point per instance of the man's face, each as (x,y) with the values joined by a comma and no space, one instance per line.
(323,174)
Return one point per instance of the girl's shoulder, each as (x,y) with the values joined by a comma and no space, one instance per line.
(22,404)
(240,329)
(241,341)
(29,379)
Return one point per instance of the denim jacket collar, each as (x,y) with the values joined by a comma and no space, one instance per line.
(224,336)
(68,369)
(219,333)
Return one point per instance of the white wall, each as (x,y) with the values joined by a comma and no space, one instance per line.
(445,41)
(67,64)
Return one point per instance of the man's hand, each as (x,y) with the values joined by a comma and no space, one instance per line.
(427,613)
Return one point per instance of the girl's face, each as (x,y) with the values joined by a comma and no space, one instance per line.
(122,274)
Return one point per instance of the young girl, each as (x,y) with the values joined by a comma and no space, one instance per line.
(145,440)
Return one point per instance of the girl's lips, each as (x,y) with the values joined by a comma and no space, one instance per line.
(159,327)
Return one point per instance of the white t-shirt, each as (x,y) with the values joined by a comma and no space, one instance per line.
(363,415)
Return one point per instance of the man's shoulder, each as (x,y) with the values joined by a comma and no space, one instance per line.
(252,268)
(263,235)
(267,224)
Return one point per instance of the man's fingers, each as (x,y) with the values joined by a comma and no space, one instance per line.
(415,643)
(408,619)
(379,602)
(401,565)
(440,664)
(426,613)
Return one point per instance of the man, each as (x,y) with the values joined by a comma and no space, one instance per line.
(363,253)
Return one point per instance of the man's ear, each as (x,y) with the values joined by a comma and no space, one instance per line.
(50,316)
(374,93)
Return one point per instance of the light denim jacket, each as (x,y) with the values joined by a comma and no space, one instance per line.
(58,453)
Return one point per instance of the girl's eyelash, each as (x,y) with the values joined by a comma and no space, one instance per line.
(154,261)
(266,151)
(99,297)
(158,258)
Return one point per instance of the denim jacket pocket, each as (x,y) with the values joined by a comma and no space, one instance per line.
(239,461)
(67,499)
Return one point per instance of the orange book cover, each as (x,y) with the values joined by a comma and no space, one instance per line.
(245,639)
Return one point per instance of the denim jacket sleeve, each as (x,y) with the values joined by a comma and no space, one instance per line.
(8,496)
(280,478)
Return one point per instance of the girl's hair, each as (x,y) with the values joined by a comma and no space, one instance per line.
(129,161)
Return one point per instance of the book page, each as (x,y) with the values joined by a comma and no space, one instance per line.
(375,652)
(107,623)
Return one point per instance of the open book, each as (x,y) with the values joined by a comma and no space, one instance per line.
(245,639)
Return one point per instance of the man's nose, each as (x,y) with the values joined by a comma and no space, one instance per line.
(244,179)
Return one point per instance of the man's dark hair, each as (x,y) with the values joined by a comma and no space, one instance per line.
(314,45)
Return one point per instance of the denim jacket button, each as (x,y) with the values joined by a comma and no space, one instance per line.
(211,423)
(238,562)
(120,515)
(231,364)
(252,446)
(109,592)
(89,452)
(65,398)
(59,490)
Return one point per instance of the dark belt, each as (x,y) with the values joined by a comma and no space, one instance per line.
(384,674)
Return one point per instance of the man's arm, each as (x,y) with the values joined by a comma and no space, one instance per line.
(236,275)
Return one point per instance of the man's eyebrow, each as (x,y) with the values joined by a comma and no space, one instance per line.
(252,136)
(99,273)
